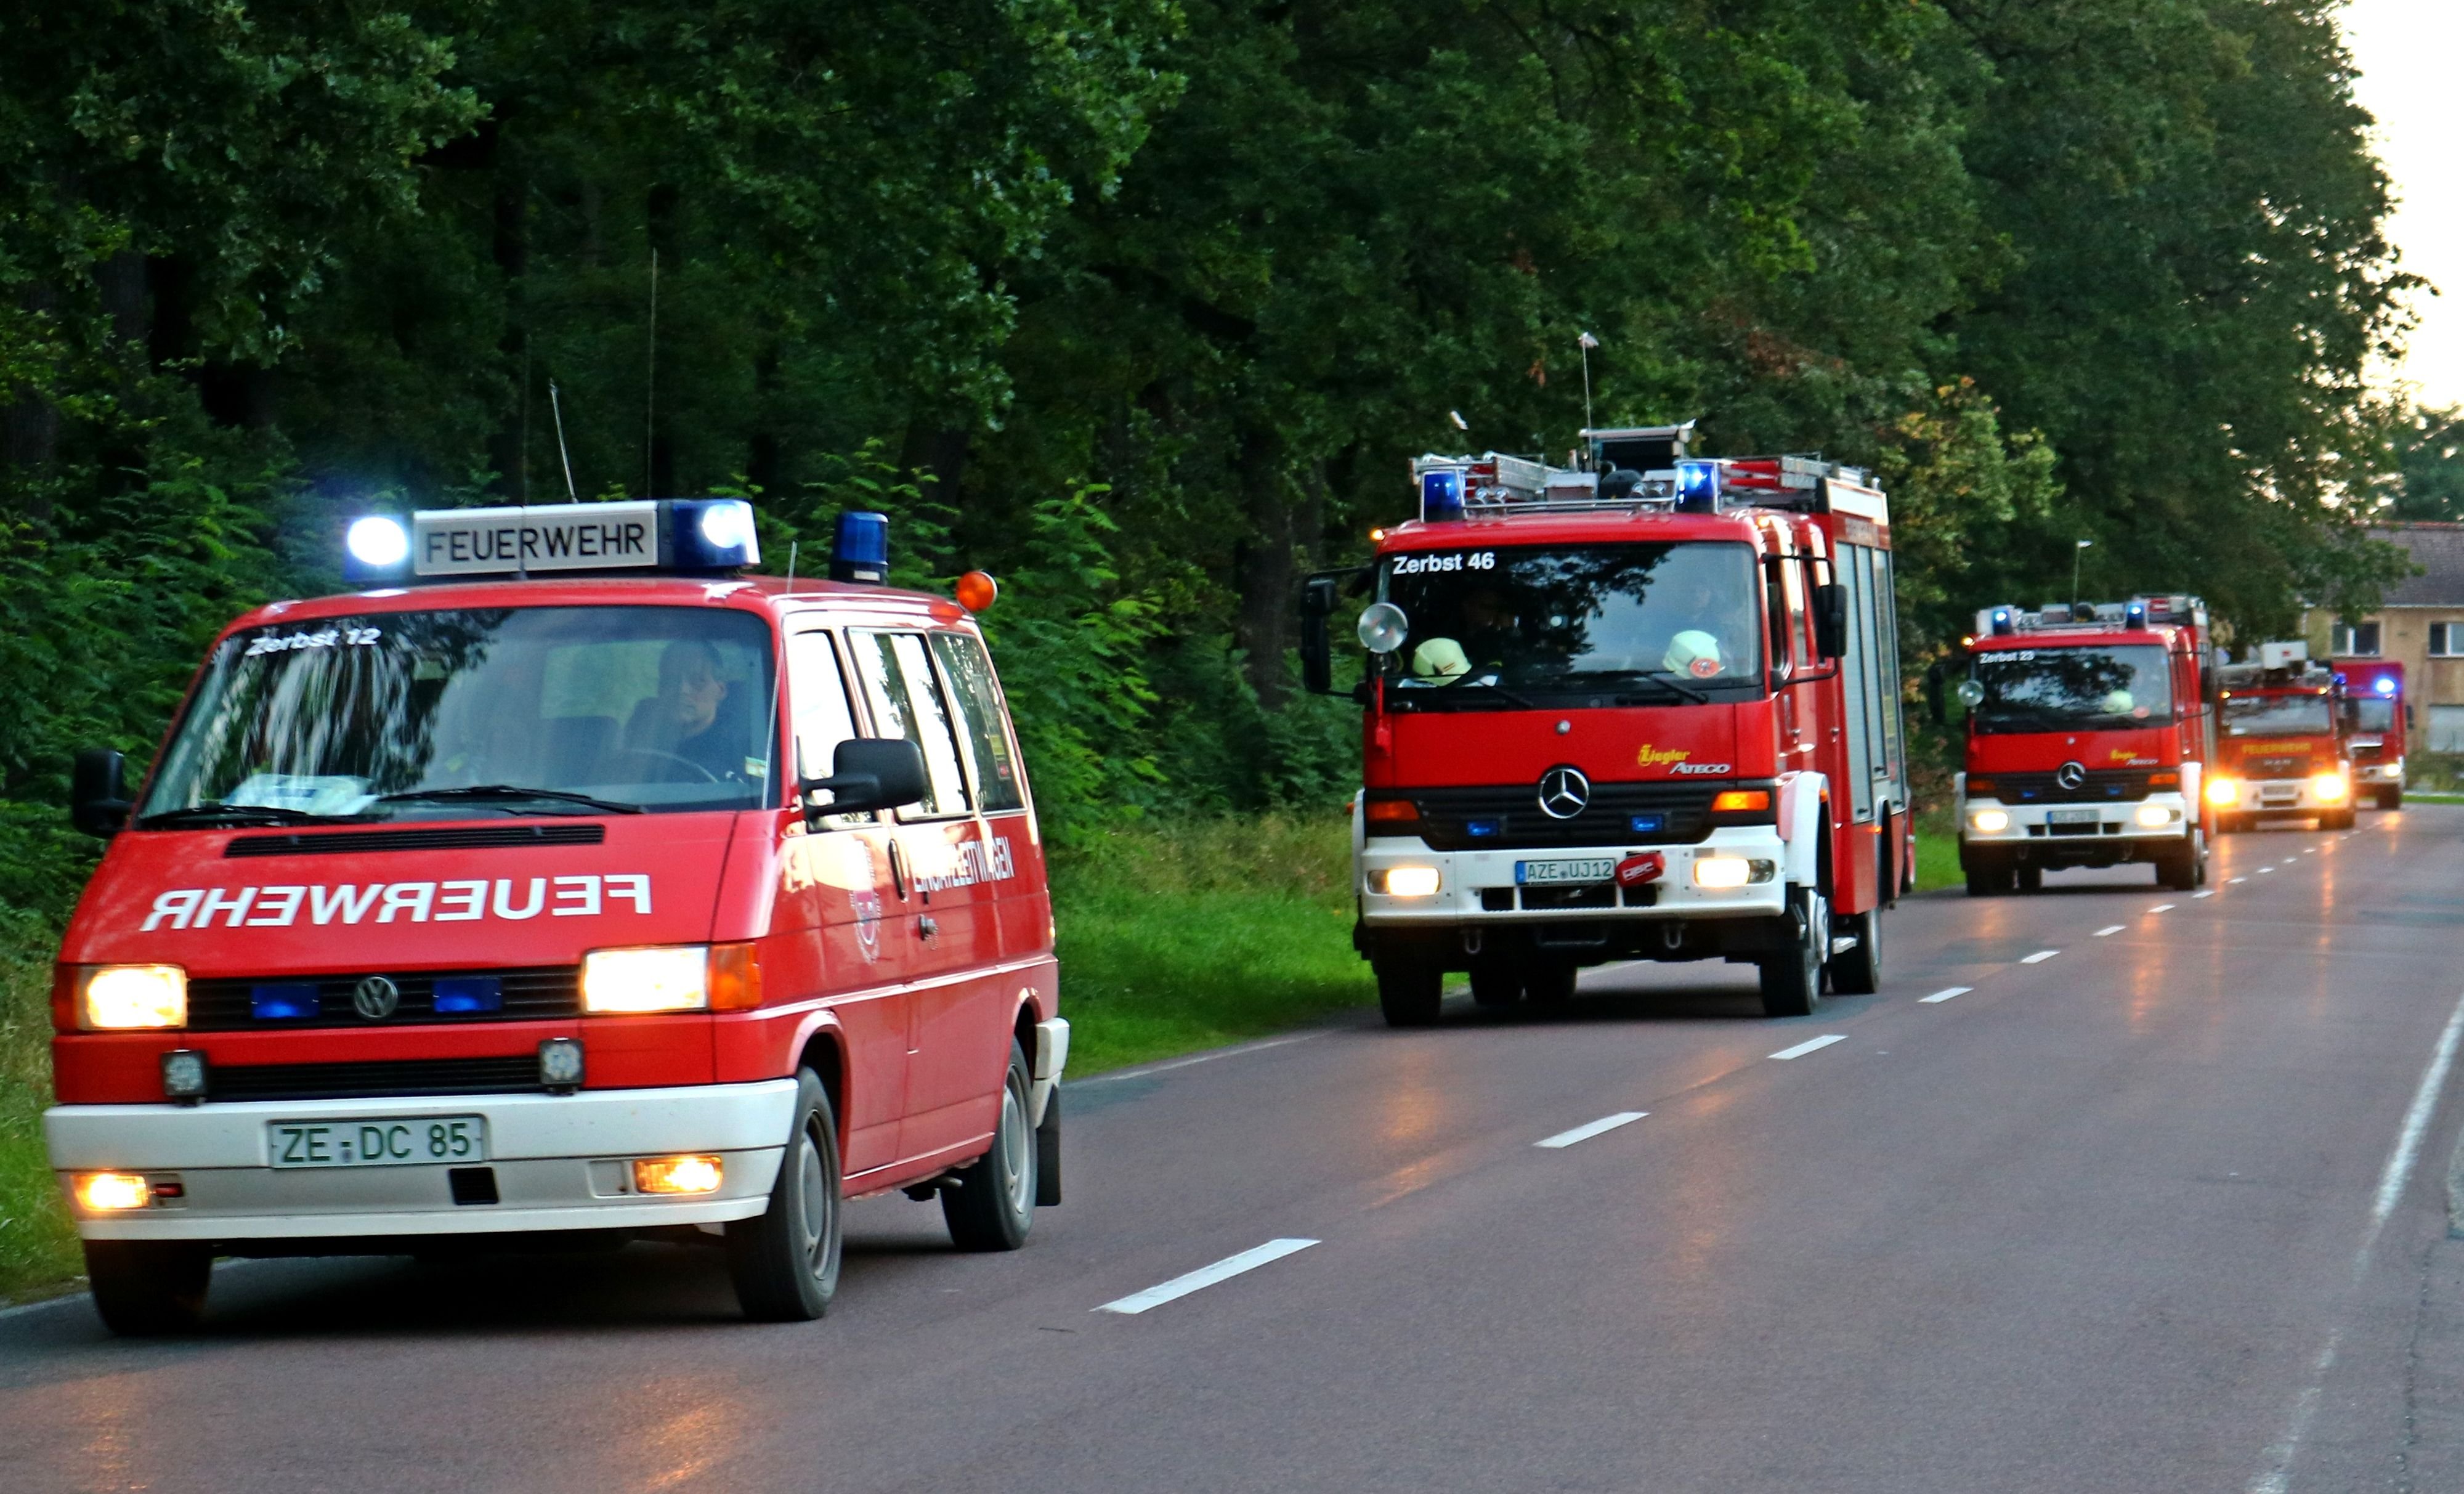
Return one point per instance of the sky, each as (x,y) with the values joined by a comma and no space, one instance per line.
(2407,51)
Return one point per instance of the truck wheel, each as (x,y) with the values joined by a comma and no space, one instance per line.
(2029,878)
(1858,972)
(1551,984)
(1987,874)
(1409,991)
(2341,820)
(1495,983)
(1792,978)
(2390,799)
(786,1260)
(2182,871)
(990,1205)
(148,1286)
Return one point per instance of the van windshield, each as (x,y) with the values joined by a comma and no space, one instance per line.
(1495,626)
(483,711)
(2073,689)
(2276,716)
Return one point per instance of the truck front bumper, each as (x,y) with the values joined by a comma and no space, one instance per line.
(2388,774)
(2282,797)
(1483,887)
(557,1162)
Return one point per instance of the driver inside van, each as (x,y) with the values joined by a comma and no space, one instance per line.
(687,718)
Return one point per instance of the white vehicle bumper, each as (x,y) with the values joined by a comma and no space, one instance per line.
(559,1163)
(2388,774)
(1478,888)
(2281,796)
(1988,822)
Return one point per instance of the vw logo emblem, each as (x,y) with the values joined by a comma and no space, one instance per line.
(376,998)
(1564,791)
(2071,775)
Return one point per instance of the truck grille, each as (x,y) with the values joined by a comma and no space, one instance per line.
(412,1078)
(2103,786)
(232,1004)
(2275,767)
(1508,816)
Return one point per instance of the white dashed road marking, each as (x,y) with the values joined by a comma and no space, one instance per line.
(1590,1129)
(2162,908)
(1803,1048)
(2209,892)
(2038,957)
(2263,871)
(1947,993)
(1206,1276)
(2229,881)
(2111,929)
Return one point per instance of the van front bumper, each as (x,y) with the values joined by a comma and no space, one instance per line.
(1478,888)
(558,1162)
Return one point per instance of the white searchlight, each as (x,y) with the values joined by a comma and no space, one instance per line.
(378,541)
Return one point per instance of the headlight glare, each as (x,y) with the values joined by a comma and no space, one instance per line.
(695,1174)
(668,978)
(2329,787)
(121,997)
(1990,822)
(2223,792)
(1720,872)
(109,1193)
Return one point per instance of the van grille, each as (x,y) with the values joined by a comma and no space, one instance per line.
(408,1078)
(480,837)
(229,1004)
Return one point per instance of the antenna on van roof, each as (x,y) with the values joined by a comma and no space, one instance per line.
(778,677)
(564,455)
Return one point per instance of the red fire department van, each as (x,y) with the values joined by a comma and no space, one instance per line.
(1644,710)
(2378,718)
(568,880)
(2281,748)
(2088,730)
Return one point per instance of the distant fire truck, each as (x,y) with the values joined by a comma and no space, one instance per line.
(2088,730)
(2378,713)
(1642,708)
(2281,747)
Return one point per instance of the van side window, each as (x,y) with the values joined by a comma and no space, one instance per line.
(985,734)
(819,701)
(906,698)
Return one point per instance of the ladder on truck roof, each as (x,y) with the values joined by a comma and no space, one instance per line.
(1494,484)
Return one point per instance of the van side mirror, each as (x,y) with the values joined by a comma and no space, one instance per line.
(1831,621)
(1317,656)
(867,773)
(98,792)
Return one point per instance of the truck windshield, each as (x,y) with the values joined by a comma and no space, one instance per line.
(501,711)
(2276,716)
(1679,622)
(2374,716)
(2075,688)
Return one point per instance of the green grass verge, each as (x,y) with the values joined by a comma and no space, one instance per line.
(1186,936)
(1938,850)
(38,1249)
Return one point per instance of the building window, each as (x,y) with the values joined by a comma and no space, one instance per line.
(2446,640)
(2446,729)
(2361,640)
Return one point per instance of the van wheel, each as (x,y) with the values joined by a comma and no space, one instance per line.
(786,1260)
(1409,991)
(1858,972)
(1792,978)
(148,1286)
(1495,983)
(990,1205)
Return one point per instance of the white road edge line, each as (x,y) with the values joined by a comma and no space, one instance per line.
(1204,1276)
(1590,1129)
(2277,1477)
(1142,1070)
(1803,1048)
(1945,994)
(2111,929)
(2162,908)
(2038,957)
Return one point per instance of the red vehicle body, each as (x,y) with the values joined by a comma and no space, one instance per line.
(686,1020)
(1674,734)
(2379,713)
(2281,752)
(2088,736)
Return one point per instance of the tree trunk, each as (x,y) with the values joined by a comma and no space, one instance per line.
(509,448)
(937,456)
(1266,570)
(764,457)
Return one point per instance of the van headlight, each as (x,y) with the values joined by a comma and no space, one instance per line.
(1988,822)
(116,998)
(2329,787)
(670,978)
(2223,792)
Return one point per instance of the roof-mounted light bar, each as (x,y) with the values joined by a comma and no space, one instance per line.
(691,536)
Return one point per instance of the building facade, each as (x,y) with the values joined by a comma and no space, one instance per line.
(2421,627)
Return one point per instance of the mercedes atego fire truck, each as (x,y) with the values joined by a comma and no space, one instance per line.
(2281,742)
(2088,733)
(1646,708)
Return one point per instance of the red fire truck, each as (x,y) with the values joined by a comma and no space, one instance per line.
(1646,709)
(526,895)
(2280,745)
(2378,720)
(2088,730)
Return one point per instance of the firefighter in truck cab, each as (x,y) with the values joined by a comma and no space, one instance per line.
(2088,739)
(570,881)
(1645,708)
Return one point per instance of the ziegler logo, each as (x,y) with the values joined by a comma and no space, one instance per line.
(1707,769)
(1659,756)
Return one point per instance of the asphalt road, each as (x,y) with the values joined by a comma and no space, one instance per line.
(2165,1209)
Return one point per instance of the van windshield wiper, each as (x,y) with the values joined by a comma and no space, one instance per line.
(235,814)
(507,793)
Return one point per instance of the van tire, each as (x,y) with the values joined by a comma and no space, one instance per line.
(786,1260)
(1791,977)
(990,1203)
(1409,991)
(144,1288)
(1858,972)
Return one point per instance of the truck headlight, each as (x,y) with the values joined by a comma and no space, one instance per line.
(2153,817)
(1722,872)
(673,978)
(2329,787)
(1988,822)
(1409,882)
(2223,792)
(116,998)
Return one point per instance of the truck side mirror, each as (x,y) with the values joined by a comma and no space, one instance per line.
(866,773)
(1317,658)
(2208,682)
(98,792)
(1831,621)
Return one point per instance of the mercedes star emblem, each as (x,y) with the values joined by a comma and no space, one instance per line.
(1564,791)
(2071,775)
(376,998)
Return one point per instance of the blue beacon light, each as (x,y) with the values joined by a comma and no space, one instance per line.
(2135,615)
(1441,497)
(2001,622)
(861,551)
(1698,487)
(2385,685)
